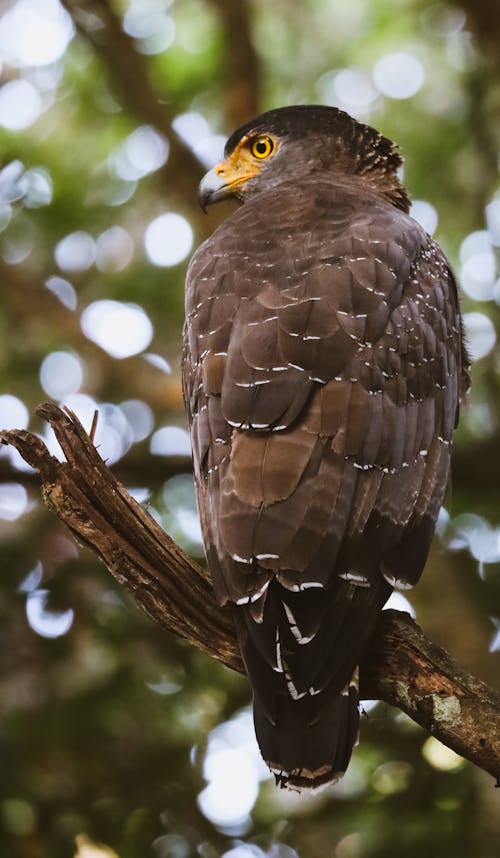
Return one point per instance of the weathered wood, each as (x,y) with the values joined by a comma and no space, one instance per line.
(402,666)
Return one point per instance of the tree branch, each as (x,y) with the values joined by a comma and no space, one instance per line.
(483,19)
(402,666)
(128,72)
(242,67)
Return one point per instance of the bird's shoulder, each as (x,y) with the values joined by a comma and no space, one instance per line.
(289,231)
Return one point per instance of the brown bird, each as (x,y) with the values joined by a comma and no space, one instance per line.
(323,367)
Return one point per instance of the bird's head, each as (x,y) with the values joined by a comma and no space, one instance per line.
(291,143)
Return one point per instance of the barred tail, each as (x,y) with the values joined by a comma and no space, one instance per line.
(310,743)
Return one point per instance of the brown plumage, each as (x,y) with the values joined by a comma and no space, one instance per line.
(323,367)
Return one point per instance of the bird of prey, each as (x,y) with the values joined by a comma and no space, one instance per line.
(323,367)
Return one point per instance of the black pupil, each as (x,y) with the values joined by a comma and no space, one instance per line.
(261,147)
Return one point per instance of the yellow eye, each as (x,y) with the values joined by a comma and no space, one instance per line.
(261,147)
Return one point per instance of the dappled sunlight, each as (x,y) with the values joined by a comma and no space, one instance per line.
(158,361)
(479,267)
(481,334)
(139,417)
(61,374)
(398,602)
(495,639)
(34,34)
(43,621)
(75,252)
(170,441)
(195,131)
(350,89)
(32,580)
(120,329)
(13,501)
(13,412)
(425,213)
(392,777)
(63,290)
(399,75)
(36,186)
(86,848)
(440,757)
(114,249)
(182,513)
(233,769)
(20,105)
(168,239)
(474,533)
(144,151)
(147,21)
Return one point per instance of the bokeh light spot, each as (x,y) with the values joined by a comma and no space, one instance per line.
(75,252)
(392,777)
(36,185)
(13,501)
(115,249)
(179,498)
(398,75)
(195,131)
(140,418)
(47,624)
(5,215)
(398,602)
(354,89)
(144,151)
(13,412)
(475,243)
(120,329)
(440,757)
(168,239)
(148,22)
(18,816)
(63,290)
(232,788)
(170,441)
(32,580)
(495,640)
(426,215)
(233,768)
(159,362)
(11,181)
(477,275)
(480,333)
(20,105)
(61,374)
(34,33)
(493,221)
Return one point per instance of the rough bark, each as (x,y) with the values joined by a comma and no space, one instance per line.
(402,666)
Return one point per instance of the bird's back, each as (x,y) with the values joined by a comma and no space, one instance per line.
(322,367)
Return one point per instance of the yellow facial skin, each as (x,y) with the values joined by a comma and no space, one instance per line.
(243,163)
(245,160)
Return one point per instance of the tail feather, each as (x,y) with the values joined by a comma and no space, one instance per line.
(300,652)
(310,744)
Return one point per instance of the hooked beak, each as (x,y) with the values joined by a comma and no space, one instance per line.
(212,189)
(227,179)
